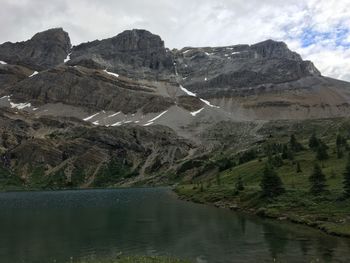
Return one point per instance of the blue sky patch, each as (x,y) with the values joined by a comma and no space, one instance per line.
(338,36)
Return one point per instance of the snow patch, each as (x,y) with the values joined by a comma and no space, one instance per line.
(186,51)
(160,115)
(148,124)
(96,123)
(3,63)
(234,53)
(34,73)
(117,124)
(112,115)
(67,58)
(206,79)
(20,106)
(194,113)
(90,117)
(209,104)
(111,73)
(187,91)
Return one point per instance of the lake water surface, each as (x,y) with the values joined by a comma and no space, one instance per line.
(65,225)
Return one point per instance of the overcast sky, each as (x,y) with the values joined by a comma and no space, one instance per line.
(317,29)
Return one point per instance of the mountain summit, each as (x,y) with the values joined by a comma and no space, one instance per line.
(44,50)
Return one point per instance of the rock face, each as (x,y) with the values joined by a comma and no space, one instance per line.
(133,53)
(90,89)
(61,146)
(130,107)
(215,72)
(44,50)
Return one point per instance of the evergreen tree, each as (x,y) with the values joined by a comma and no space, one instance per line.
(239,184)
(317,180)
(321,151)
(313,141)
(218,179)
(201,187)
(271,183)
(339,152)
(294,144)
(339,140)
(341,145)
(285,152)
(298,168)
(277,161)
(346,182)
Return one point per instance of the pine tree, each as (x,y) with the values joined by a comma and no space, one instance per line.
(317,180)
(339,140)
(218,179)
(313,141)
(298,168)
(239,184)
(294,144)
(346,182)
(271,183)
(321,151)
(285,152)
(339,152)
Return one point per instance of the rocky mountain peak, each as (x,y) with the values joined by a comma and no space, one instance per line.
(44,50)
(137,39)
(275,49)
(133,53)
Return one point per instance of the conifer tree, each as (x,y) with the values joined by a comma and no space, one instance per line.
(313,141)
(294,144)
(271,184)
(317,180)
(239,184)
(298,168)
(321,151)
(346,182)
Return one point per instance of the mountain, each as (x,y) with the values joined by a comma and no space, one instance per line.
(131,106)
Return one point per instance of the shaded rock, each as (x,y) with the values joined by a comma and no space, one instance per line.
(133,53)
(44,50)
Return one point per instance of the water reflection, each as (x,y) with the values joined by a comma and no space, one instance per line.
(47,226)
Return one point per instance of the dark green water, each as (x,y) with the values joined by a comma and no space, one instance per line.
(55,226)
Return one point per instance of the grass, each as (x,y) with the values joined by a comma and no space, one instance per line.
(328,212)
(135,259)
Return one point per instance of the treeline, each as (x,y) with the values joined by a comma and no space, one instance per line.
(271,184)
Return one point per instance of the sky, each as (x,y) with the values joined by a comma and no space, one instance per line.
(319,30)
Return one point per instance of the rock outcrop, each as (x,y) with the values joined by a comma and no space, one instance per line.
(133,53)
(44,50)
(215,72)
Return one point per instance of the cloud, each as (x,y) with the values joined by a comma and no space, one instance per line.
(317,29)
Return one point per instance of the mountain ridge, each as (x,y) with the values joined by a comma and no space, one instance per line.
(132,83)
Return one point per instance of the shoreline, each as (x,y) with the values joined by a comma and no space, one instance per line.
(261,212)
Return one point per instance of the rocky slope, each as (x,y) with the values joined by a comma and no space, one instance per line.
(130,105)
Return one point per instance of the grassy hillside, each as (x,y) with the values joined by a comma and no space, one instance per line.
(328,210)
(135,259)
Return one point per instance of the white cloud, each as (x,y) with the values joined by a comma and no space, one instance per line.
(192,23)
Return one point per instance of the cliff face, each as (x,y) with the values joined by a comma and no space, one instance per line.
(133,53)
(215,72)
(128,105)
(44,50)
